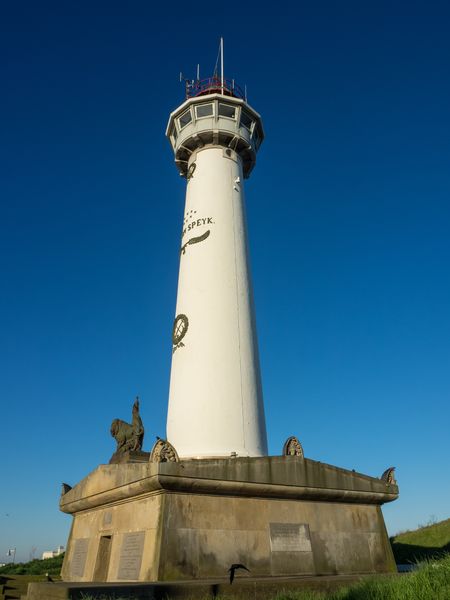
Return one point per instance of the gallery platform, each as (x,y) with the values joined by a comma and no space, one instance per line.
(280,516)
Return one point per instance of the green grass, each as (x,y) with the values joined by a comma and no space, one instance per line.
(426,542)
(434,535)
(431,581)
(52,566)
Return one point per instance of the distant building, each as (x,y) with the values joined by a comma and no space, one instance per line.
(52,553)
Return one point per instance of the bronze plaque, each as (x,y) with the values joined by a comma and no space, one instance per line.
(131,555)
(79,554)
(290,537)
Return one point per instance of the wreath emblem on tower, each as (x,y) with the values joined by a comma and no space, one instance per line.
(180,327)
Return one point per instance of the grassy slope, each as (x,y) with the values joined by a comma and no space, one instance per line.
(52,566)
(430,582)
(425,542)
(435,535)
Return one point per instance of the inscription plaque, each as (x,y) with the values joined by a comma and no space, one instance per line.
(290,537)
(131,555)
(78,561)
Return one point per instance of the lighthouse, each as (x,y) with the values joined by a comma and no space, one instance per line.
(215,400)
(164,516)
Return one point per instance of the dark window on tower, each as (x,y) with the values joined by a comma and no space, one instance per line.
(257,138)
(226,110)
(185,119)
(246,120)
(204,110)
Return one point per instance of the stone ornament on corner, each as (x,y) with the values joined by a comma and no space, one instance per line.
(389,476)
(163,451)
(292,447)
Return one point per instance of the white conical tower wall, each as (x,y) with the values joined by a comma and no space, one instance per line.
(215,400)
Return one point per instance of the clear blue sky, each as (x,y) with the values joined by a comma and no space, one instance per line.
(349,219)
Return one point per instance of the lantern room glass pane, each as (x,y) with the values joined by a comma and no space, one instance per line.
(204,110)
(246,120)
(256,138)
(185,119)
(226,110)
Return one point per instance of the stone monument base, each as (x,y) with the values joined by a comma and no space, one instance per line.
(281,516)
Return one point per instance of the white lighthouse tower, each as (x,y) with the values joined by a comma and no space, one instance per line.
(215,400)
(159,516)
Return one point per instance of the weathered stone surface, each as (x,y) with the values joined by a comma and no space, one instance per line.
(271,476)
(130,558)
(129,456)
(290,537)
(79,556)
(198,517)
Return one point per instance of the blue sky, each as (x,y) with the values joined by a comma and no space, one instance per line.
(349,217)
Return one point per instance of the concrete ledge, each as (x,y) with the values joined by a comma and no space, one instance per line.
(265,588)
(286,477)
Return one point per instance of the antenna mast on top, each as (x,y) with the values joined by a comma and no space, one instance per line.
(217,84)
(221,64)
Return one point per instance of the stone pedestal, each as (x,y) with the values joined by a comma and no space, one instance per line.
(279,516)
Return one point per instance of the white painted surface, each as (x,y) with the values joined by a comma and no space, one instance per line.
(215,400)
(52,553)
